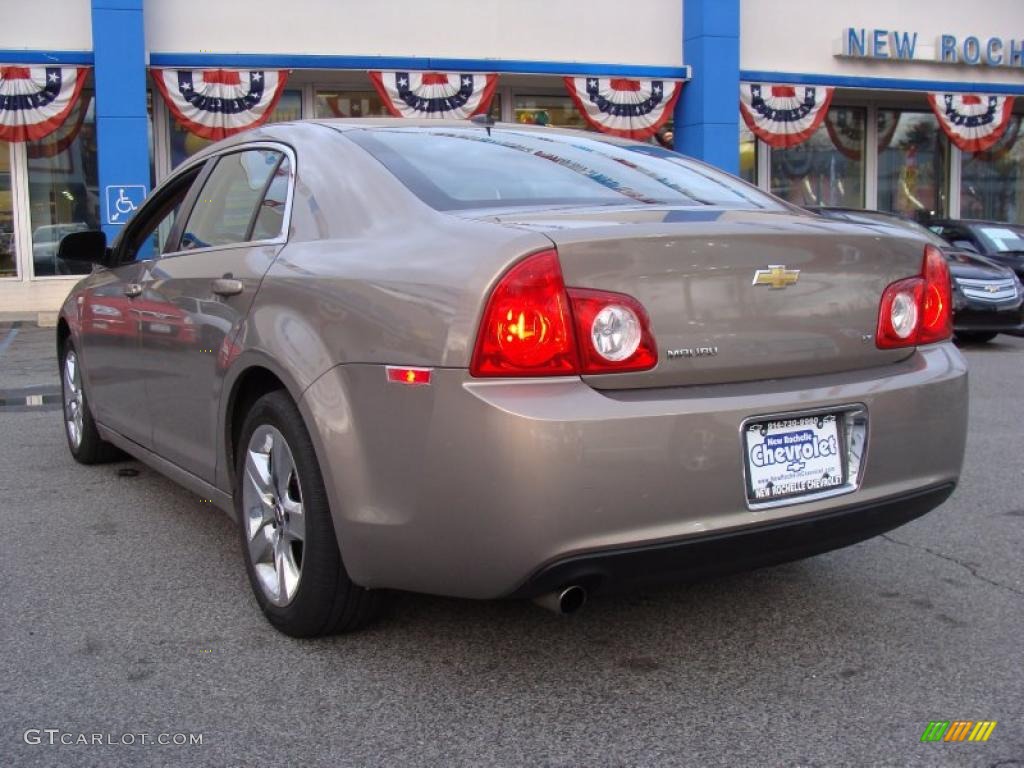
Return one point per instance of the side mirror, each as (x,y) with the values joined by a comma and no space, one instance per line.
(88,246)
(965,245)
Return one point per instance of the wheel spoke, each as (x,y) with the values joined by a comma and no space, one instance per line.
(295,519)
(287,570)
(261,544)
(257,470)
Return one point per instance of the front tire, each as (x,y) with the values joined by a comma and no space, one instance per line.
(288,541)
(84,441)
(976,337)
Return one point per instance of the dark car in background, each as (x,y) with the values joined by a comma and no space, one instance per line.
(988,298)
(996,240)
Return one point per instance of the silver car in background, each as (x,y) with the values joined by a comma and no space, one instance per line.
(492,360)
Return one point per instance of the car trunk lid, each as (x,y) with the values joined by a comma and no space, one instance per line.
(735,295)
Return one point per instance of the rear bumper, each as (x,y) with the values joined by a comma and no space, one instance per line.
(715,554)
(471,488)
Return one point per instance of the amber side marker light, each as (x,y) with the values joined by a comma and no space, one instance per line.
(411,376)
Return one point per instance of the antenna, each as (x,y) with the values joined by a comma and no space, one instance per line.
(483,120)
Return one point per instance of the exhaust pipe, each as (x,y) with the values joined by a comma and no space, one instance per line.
(564,601)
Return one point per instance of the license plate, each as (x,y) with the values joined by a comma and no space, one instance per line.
(159,328)
(789,458)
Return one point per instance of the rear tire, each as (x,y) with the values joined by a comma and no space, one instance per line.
(976,337)
(84,441)
(288,541)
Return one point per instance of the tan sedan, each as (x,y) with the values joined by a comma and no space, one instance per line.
(493,360)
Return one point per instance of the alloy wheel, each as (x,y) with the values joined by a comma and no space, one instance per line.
(73,399)
(274,516)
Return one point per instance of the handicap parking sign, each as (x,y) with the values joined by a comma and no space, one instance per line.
(123,200)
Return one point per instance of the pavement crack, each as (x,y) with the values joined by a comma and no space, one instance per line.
(969,567)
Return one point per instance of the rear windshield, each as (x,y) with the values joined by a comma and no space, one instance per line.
(463,168)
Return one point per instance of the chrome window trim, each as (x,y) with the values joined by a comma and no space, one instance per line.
(286,221)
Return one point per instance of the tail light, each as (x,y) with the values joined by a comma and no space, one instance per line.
(613,330)
(526,328)
(917,310)
(534,326)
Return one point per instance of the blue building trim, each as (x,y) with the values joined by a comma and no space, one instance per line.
(119,46)
(26,56)
(312,61)
(707,113)
(879,83)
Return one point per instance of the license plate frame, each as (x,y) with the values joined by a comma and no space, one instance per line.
(850,425)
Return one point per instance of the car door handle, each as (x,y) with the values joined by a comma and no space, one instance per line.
(226,286)
(132,290)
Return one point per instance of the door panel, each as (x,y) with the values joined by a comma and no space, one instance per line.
(109,339)
(183,355)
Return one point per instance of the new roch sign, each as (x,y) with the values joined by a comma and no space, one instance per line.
(903,46)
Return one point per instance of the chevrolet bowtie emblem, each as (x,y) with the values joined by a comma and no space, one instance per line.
(776,276)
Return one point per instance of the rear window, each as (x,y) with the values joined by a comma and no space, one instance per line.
(457,169)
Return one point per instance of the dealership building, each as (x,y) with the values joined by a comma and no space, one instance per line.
(906,107)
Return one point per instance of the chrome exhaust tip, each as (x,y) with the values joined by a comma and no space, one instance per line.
(564,601)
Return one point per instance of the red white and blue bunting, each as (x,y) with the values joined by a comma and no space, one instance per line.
(632,109)
(847,133)
(66,132)
(972,121)
(435,94)
(216,103)
(784,115)
(35,101)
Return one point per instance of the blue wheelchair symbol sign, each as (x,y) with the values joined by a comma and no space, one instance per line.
(123,200)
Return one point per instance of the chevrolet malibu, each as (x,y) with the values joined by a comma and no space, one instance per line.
(502,361)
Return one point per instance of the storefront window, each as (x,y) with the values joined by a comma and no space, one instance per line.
(913,165)
(828,168)
(367,104)
(185,144)
(63,189)
(8,260)
(547,110)
(992,182)
(748,154)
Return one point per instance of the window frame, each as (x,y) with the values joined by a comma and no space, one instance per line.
(209,161)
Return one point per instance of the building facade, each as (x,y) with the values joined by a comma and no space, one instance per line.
(864,76)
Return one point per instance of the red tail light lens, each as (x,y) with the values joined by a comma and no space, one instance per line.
(527,328)
(533,326)
(937,310)
(917,310)
(613,330)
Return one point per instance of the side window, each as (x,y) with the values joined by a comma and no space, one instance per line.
(148,232)
(227,205)
(270,218)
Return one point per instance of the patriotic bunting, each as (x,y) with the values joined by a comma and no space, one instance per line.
(435,94)
(972,121)
(216,103)
(633,109)
(65,135)
(784,115)
(35,101)
(848,138)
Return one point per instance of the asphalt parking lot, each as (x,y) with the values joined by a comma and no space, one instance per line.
(125,610)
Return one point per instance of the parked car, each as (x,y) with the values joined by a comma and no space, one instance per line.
(1000,242)
(509,361)
(988,298)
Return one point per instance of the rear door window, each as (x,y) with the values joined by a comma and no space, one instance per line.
(229,203)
